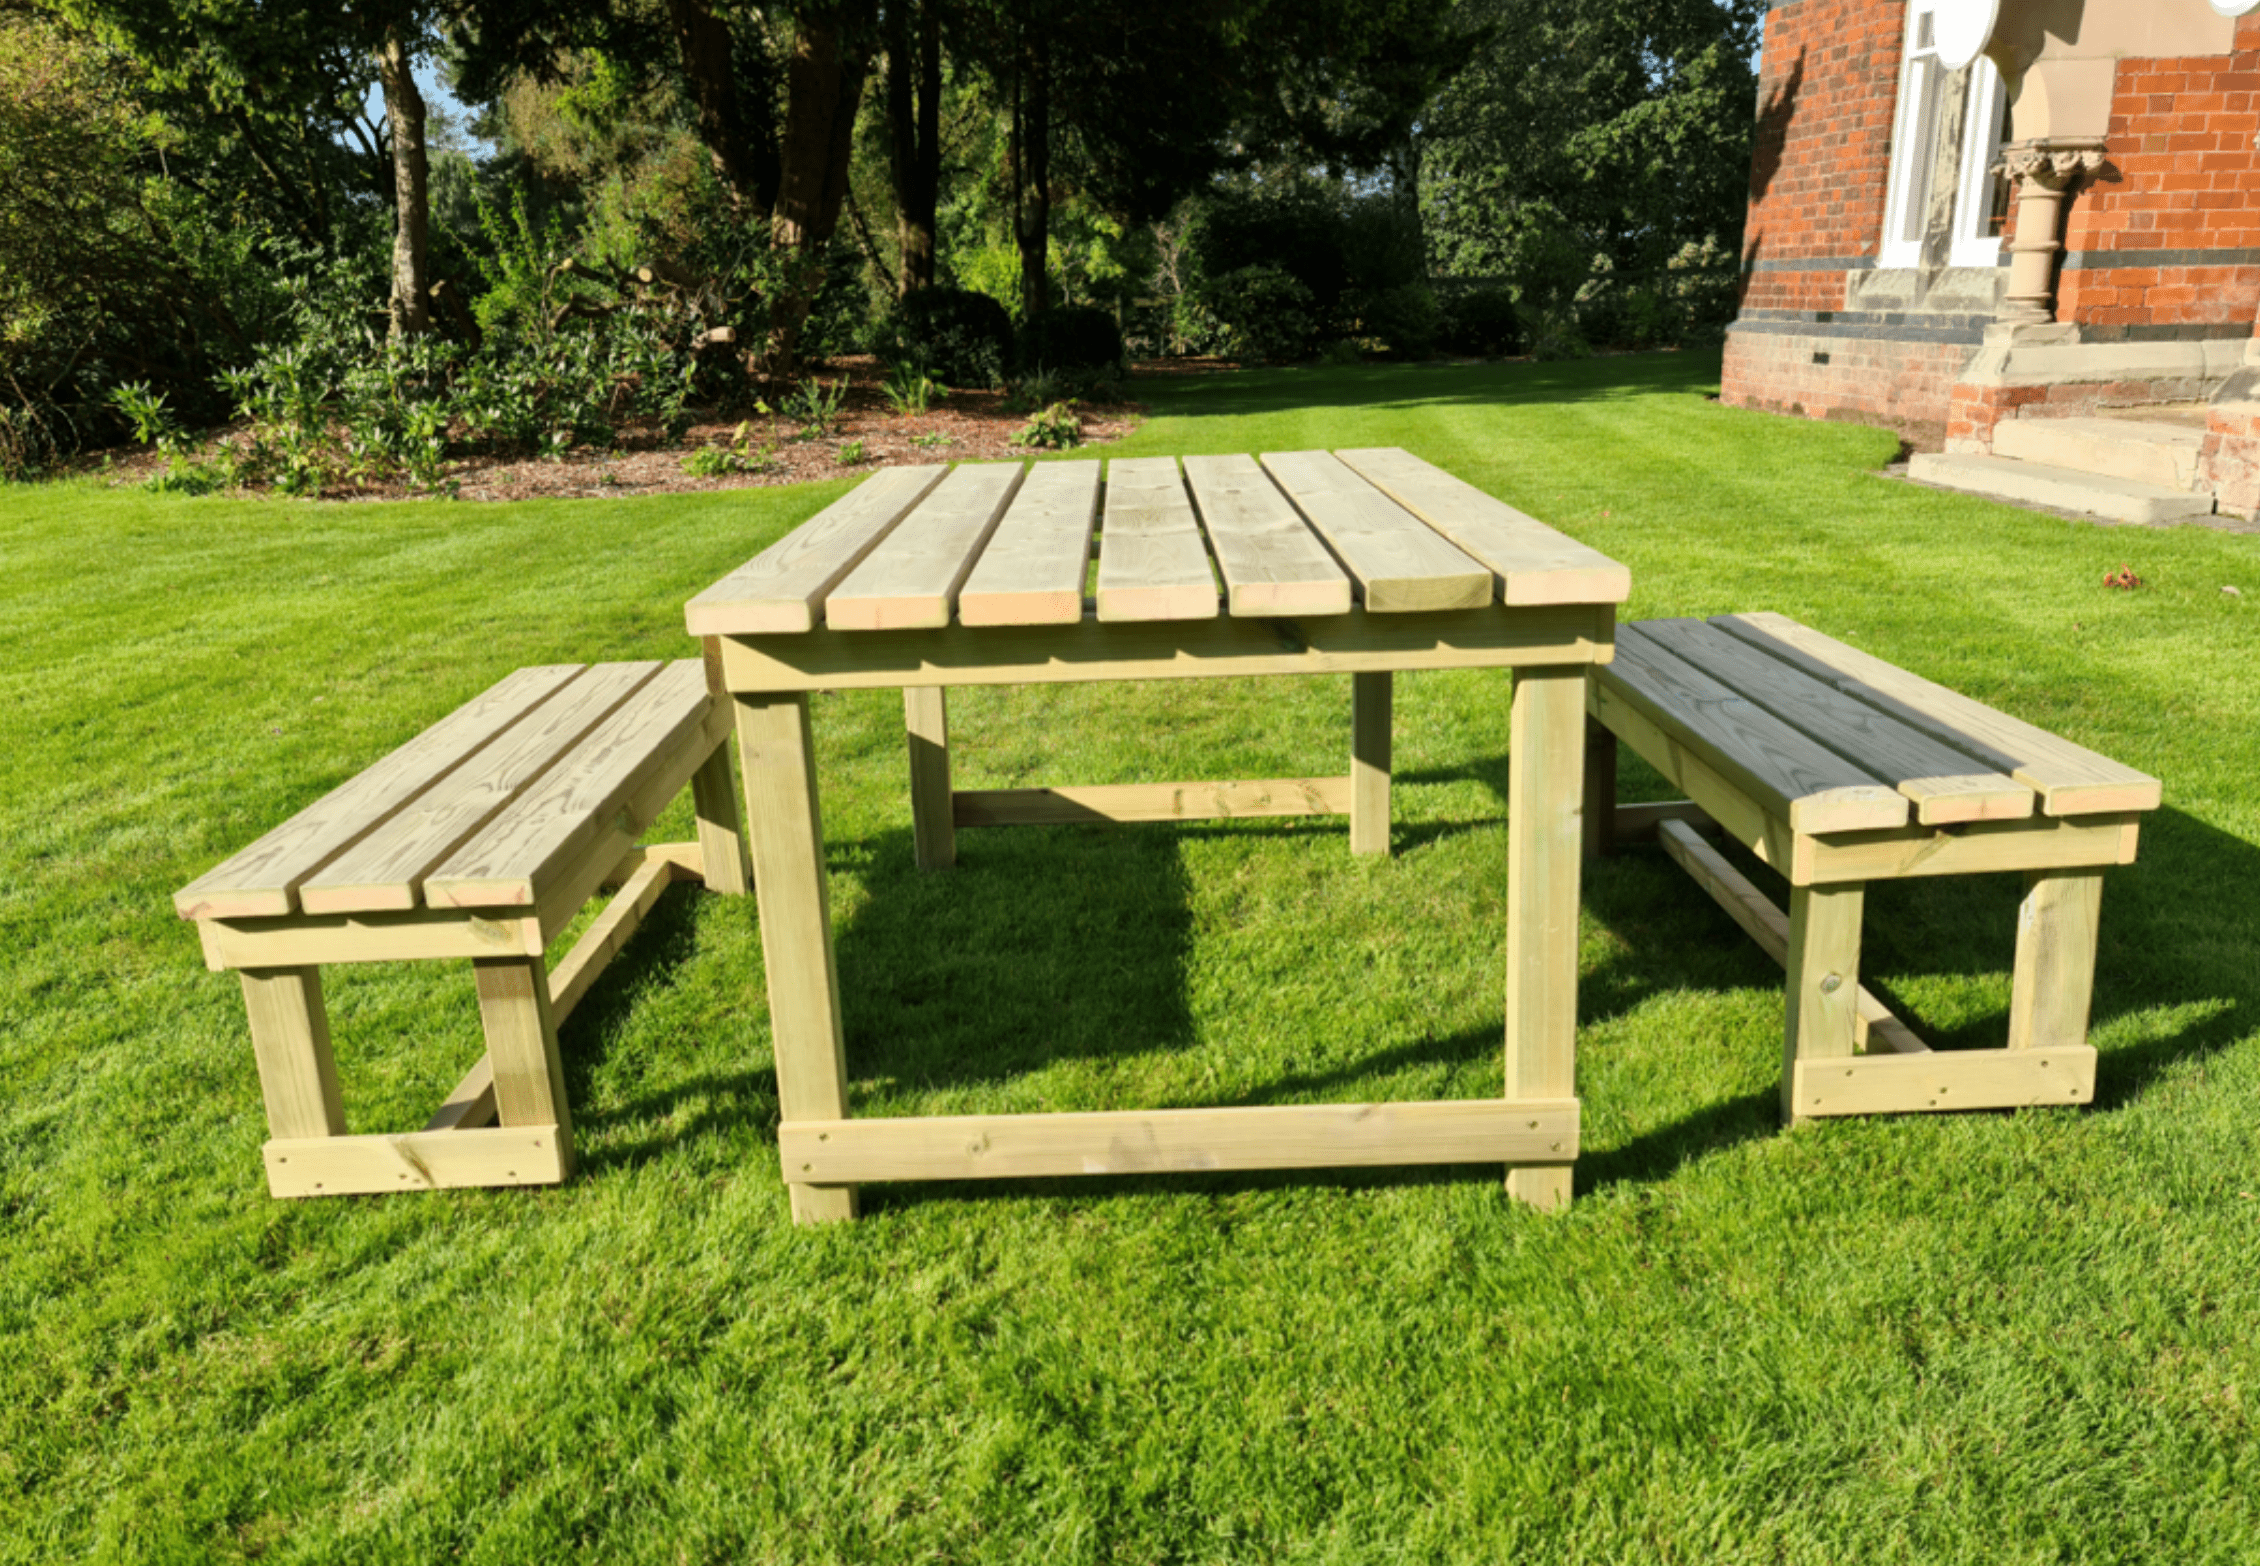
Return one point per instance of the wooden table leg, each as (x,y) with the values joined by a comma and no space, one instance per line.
(926,722)
(778,763)
(1823,965)
(1545,768)
(521,1032)
(1370,702)
(721,827)
(2055,974)
(290,1034)
(1600,789)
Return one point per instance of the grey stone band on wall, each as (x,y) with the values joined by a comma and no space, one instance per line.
(2111,260)
(1814,264)
(1967,335)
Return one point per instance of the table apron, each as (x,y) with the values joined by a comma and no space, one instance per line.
(1092,650)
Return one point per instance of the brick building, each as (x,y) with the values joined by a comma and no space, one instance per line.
(2064,226)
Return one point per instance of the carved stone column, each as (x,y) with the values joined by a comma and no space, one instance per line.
(2045,172)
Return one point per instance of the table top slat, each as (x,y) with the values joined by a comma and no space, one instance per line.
(1272,563)
(1400,563)
(385,870)
(516,857)
(1788,774)
(263,879)
(1945,784)
(1152,563)
(2070,779)
(1031,572)
(777,591)
(1535,564)
(910,581)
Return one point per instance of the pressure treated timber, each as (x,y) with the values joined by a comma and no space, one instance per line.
(780,589)
(911,579)
(1031,572)
(1874,1026)
(1943,1080)
(723,864)
(1295,1136)
(1151,802)
(263,879)
(1271,562)
(419,935)
(521,1034)
(926,733)
(2071,779)
(1399,563)
(1793,777)
(385,870)
(2054,979)
(1823,981)
(1639,822)
(1152,563)
(290,1034)
(1372,699)
(470,1104)
(416,1161)
(1350,643)
(603,940)
(1534,563)
(1684,767)
(1944,784)
(1599,819)
(1545,856)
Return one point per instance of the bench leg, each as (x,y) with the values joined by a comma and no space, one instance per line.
(1545,763)
(926,723)
(521,1030)
(721,826)
(2055,974)
(1600,789)
(1824,981)
(1371,700)
(290,1034)
(787,824)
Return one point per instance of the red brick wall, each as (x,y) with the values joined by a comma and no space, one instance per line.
(2182,175)
(1870,380)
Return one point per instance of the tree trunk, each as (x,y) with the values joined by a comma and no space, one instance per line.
(744,154)
(411,191)
(823,84)
(1031,176)
(914,122)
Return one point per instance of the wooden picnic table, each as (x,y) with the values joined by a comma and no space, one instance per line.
(1353,562)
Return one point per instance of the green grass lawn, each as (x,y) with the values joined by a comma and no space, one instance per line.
(1992,1338)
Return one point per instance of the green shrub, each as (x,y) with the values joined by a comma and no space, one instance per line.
(1264,311)
(816,406)
(910,390)
(1053,429)
(958,337)
(851,453)
(1069,337)
(1341,351)
(1406,318)
(1484,321)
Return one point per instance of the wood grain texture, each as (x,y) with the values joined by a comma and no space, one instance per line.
(1152,563)
(470,1103)
(1534,563)
(603,940)
(780,589)
(1944,784)
(417,935)
(1792,776)
(417,1161)
(723,863)
(1545,860)
(2042,843)
(264,878)
(290,1035)
(1823,977)
(911,579)
(521,1034)
(514,858)
(1294,1136)
(1031,572)
(1272,563)
(1400,564)
(386,869)
(1946,1080)
(1372,707)
(2054,981)
(2071,779)
(926,733)
(1600,818)
(1107,802)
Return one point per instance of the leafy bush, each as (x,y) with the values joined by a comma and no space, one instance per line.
(1264,312)
(1341,351)
(958,337)
(816,406)
(1483,321)
(851,453)
(910,390)
(1069,337)
(1053,429)
(1406,318)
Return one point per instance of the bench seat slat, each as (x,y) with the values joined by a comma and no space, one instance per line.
(1534,563)
(777,591)
(1945,784)
(1031,572)
(2070,779)
(386,869)
(1272,563)
(1792,777)
(1399,562)
(1152,563)
(514,859)
(262,881)
(911,580)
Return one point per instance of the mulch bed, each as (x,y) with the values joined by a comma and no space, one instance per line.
(976,423)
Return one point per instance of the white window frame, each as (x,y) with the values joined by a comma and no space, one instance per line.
(1981,146)
(1914,148)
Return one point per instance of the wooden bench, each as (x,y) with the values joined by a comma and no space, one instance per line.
(1837,769)
(481,838)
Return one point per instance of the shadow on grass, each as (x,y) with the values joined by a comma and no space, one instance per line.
(1397,386)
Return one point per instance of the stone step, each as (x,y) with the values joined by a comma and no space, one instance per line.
(2131,449)
(2067,489)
